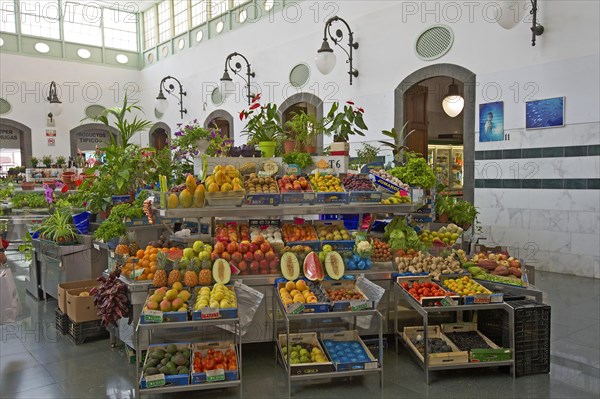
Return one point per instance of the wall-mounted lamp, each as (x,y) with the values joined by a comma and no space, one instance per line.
(453,103)
(227,86)
(509,13)
(536,29)
(326,59)
(161,104)
(55,103)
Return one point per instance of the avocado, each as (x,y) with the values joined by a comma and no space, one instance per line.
(164,362)
(186,353)
(152,362)
(165,370)
(158,354)
(179,360)
(184,370)
(172,348)
(168,355)
(172,366)
(151,371)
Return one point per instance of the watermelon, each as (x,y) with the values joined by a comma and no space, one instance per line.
(313,270)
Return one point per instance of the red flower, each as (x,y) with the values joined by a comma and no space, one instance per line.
(242,114)
(361,110)
(254,106)
(350,102)
(256,97)
(64,189)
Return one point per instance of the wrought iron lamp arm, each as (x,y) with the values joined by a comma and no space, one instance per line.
(170,90)
(339,36)
(237,68)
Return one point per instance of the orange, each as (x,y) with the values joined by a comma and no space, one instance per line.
(140,253)
(145,263)
(153,258)
(153,251)
(150,276)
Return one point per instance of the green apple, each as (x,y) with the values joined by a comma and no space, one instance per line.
(198,246)
(188,253)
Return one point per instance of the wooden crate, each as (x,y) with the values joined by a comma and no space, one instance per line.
(491,354)
(435,359)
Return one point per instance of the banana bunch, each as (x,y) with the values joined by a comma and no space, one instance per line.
(399,198)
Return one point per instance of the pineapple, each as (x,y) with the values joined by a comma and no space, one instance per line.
(174,275)
(205,277)
(190,278)
(123,246)
(133,245)
(160,277)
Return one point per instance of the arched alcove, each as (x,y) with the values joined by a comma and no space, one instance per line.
(223,120)
(158,135)
(9,129)
(307,102)
(91,135)
(468,79)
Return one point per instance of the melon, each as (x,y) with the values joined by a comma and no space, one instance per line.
(290,267)
(313,270)
(334,265)
(221,271)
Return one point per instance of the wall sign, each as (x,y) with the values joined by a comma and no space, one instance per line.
(491,122)
(9,137)
(88,141)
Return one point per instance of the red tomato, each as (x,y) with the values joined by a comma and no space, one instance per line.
(427,284)
(420,291)
(416,286)
(220,367)
(219,358)
(412,291)
(229,353)
(405,285)
(210,352)
(210,365)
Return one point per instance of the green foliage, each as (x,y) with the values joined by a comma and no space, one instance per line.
(416,172)
(263,123)
(61,161)
(29,200)
(34,162)
(301,159)
(397,148)
(47,160)
(26,247)
(302,127)
(58,227)
(344,123)
(367,153)
(114,226)
(400,235)
(6,189)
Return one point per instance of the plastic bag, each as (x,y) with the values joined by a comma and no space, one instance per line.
(374,293)
(248,301)
(10,306)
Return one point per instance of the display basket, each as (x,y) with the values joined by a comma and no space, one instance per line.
(477,299)
(202,377)
(492,353)
(169,380)
(224,313)
(369,196)
(434,359)
(229,198)
(345,336)
(262,198)
(319,307)
(148,317)
(347,305)
(303,368)
(428,301)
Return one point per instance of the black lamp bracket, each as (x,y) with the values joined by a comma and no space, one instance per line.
(337,39)
(170,89)
(536,29)
(236,67)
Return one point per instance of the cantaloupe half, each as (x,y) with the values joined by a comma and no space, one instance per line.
(313,270)
(334,265)
(290,267)
(221,271)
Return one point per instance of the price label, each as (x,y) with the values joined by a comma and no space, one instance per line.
(153,316)
(157,380)
(295,308)
(97,247)
(447,301)
(263,173)
(481,298)
(360,304)
(209,313)
(215,375)
(137,273)
(371,365)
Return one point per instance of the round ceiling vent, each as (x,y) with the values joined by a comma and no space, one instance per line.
(216,97)
(5,106)
(434,42)
(94,111)
(299,75)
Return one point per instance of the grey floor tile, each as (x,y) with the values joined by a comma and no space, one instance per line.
(575,352)
(52,391)
(16,362)
(26,379)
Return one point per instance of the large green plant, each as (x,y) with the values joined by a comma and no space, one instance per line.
(302,128)
(302,159)
(58,227)
(397,146)
(345,122)
(121,123)
(263,123)
(416,172)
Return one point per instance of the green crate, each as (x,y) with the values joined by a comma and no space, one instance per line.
(490,355)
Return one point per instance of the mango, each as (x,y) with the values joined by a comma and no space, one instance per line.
(199,197)
(186,198)
(190,183)
(173,201)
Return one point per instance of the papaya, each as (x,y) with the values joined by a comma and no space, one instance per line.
(186,198)
(334,264)
(487,264)
(190,183)
(199,195)
(501,271)
(515,272)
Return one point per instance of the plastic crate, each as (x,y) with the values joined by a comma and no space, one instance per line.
(62,321)
(87,331)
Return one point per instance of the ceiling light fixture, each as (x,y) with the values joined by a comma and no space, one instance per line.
(161,104)
(227,86)
(326,59)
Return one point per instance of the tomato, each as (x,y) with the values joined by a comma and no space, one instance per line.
(405,285)
(229,353)
(210,352)
(416,286)
(219,358)
(420,291)
(427,284)
(412,291)
(232,366)
(210,365)
(220,367)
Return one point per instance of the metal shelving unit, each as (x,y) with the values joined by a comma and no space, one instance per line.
(149,328)
(425,311)
(278,308)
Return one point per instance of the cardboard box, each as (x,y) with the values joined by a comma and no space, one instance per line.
(492,353)
(81,308)
(304,368)
(63,287)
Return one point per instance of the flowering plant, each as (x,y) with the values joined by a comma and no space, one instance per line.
(264,124)
(219,145)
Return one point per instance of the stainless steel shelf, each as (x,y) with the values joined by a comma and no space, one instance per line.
(185,324)
(191,387)
(334,374)
(285,210)
(475,365)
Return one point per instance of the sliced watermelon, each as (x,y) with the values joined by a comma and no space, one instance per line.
(313,270)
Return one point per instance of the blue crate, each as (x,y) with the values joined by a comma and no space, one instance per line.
(263,199)
(170,380)
(332,198)
(297,198)
(371,197)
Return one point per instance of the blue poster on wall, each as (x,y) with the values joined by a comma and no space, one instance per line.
(491,121)
(540,114)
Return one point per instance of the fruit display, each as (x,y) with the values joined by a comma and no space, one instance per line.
(346,351)
(256,257)
(401,197)
(260,185)
(467,340)
(111,299)
(224,178)
(357,262)
(497,264)
(168,300)
(333,232)
(424,289)
(409,254)
(298,292)
(357,183)
(381,251)
(290,266)
(436,345)
(313,270)
(188,195)
(219,297)
(392,179)
(465,286)
(446,235)
(326,183)
(435,265)
(213,359)
(302,353)
(344,294)
(172,359)
(334,265)
(293,183)
(227,233)
(299,232)
(271,234)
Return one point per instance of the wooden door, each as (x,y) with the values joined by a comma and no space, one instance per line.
(415,100)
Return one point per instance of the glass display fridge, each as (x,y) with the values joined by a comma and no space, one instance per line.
(447,163)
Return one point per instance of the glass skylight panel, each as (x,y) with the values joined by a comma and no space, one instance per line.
(180,16)
(239,2)
(120,29)
(40,18)
(199,12)
(7,16)
(81,23)
(218,7)
(164,21)
(150,28)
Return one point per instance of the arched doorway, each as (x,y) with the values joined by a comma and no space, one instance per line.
(86,138)
(307,102)
(15,144)
(411,102)
(158,135)
(223,120)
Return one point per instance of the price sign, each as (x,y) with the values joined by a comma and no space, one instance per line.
(157,380)
(209,313)
(481,298)
(295,308)
(339,164)
(215,375)
(447,301)
(153,316)
(263,173)
(137,273)
(371,365)
(97,247)
(360,304)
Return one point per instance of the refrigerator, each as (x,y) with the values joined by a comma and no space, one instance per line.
(447,163)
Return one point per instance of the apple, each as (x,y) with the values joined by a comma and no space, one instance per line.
(274,264)
(248,256)
(214,256)
(269,255)
(259,240)
(232,247)
(244,246)
(258,255)
(198,246)
(237,257)
(265,247)
(189,253)
(219,247)
(254,266)
(243,266)
(226,255)
(264,264)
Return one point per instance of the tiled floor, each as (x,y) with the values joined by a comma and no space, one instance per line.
(36,362)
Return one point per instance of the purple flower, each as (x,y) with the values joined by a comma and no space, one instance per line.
(48,192)
(179,134)
(195,120)
(213,135)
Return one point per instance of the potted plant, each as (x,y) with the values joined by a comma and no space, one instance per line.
(342,124)
(463,213)
(367,154)
(443,207)
(34,162)
(299,131)
(192,137)
(47,161)
(302,159)
(263,126)
(61,161)
(58,227)
(397,148)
